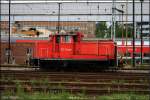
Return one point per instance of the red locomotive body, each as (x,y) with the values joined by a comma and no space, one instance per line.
(69,50)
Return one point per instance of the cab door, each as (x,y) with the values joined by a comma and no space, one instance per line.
(63,46)
(66,47)
(56,47)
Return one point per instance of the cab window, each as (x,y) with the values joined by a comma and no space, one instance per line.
(75,38)
(67,39)
(58,39)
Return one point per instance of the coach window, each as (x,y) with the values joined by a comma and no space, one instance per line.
(128,54)
(146,54)
(137,54)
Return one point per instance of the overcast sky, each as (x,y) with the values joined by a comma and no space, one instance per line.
(78,10)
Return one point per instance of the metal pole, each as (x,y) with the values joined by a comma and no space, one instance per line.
(141,31)
(133,56)
(149,31)
(126,28)
(122,23)
(114,29)
(59,17)
(9,48)
(113,21)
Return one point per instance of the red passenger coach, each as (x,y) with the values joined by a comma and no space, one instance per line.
(69,50)
(126,51)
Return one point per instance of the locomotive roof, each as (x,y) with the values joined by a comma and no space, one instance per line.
(66,34)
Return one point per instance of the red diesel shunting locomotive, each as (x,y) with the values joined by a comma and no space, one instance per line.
(70,50)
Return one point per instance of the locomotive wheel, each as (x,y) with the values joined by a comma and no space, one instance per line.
(65,64)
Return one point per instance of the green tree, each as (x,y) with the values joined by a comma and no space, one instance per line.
(101,29)
(119,31)
(103,32)
(130,29)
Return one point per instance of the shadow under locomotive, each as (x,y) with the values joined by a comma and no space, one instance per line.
(73,65)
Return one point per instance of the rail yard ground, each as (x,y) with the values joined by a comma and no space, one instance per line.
(104,85)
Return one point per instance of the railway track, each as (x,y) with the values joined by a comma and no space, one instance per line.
(76,82)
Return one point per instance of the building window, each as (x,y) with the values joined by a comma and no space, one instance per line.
(7,52)
(29,50)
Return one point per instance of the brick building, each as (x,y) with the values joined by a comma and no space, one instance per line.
(85,27)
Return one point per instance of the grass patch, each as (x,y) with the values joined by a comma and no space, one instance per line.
(128,96)
(9,95)
(20,94)
(40,96)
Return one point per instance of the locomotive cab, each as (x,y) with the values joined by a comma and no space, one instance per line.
(64,45)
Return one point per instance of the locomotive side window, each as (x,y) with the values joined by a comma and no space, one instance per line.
(58,39)
(75,38)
